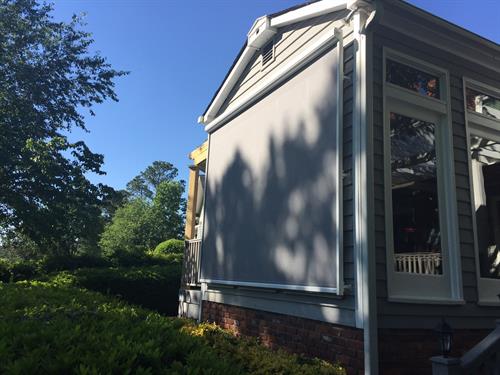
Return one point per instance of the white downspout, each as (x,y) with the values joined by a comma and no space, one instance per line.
(366,314)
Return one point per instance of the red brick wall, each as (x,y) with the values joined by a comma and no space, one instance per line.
(407,352)
(298,335)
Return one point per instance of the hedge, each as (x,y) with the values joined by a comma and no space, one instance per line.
(47,328)
(153,287)
(171,246)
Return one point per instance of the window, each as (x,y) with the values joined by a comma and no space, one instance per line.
(416,232)
(412,79)
(485,159)
(423,261)
(483,124)
(484,104)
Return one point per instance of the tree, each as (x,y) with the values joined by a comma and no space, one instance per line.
(47,75)
(129,229)
(142,223)
(146,183)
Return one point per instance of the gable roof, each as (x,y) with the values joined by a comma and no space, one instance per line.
(266,26)
(262,31)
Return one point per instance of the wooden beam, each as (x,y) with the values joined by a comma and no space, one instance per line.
(190,228)
(199,154)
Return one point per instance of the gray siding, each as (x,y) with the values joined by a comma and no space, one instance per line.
(425,315)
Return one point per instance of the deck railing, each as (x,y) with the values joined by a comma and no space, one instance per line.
(421,263)
(191,264)
(484,358)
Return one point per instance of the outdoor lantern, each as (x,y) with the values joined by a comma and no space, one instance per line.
(445,337)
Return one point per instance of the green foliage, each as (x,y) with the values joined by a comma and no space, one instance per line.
(145,184)
(140,224)
(4,272)
(128,231)
(172,246)
(25,270)
(47,329)
(154,287)
(48,75)
(60,263)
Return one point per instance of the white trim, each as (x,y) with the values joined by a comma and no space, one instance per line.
(339,165)
(277,76)
(309,11)
(448,285)
(203,287)
(365,295)
(305,288)
(404,96)
(228,84)
(427,301)
(483,126)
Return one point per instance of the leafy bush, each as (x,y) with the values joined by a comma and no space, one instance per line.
(49,329)
(171,246)
(154,287)
(24,270)
(60,263)
(4,272)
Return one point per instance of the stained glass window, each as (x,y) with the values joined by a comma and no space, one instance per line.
(413,79)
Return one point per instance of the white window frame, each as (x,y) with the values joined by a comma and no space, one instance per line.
(483,126)
(445,288)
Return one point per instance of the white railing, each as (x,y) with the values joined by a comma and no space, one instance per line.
(191,264)
(421,263)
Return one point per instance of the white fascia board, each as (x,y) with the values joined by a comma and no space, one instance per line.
(277,76)
(228,84)
(308,11)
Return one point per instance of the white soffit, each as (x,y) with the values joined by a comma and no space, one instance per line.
(262,31)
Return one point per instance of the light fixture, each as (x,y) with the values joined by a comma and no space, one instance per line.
(445,337)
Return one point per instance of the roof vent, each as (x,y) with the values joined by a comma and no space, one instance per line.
(267,53)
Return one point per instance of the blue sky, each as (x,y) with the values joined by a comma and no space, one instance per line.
(178,52)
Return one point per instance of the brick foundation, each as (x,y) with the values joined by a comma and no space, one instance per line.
(407,352)
(297,335)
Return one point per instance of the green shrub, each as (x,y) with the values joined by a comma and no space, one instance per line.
(24,270)
(50,329)
(4,272)
(60,263)
(171,246)
(153,287)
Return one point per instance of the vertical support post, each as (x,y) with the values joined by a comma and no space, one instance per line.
(445,366)
(190,232)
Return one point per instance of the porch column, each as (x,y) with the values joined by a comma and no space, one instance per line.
(190,230)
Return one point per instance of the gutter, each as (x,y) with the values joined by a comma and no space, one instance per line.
(362,14)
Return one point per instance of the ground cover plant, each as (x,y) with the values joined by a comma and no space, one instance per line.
(51,328)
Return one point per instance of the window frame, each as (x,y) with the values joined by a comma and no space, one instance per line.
(480,125)
(445,288)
